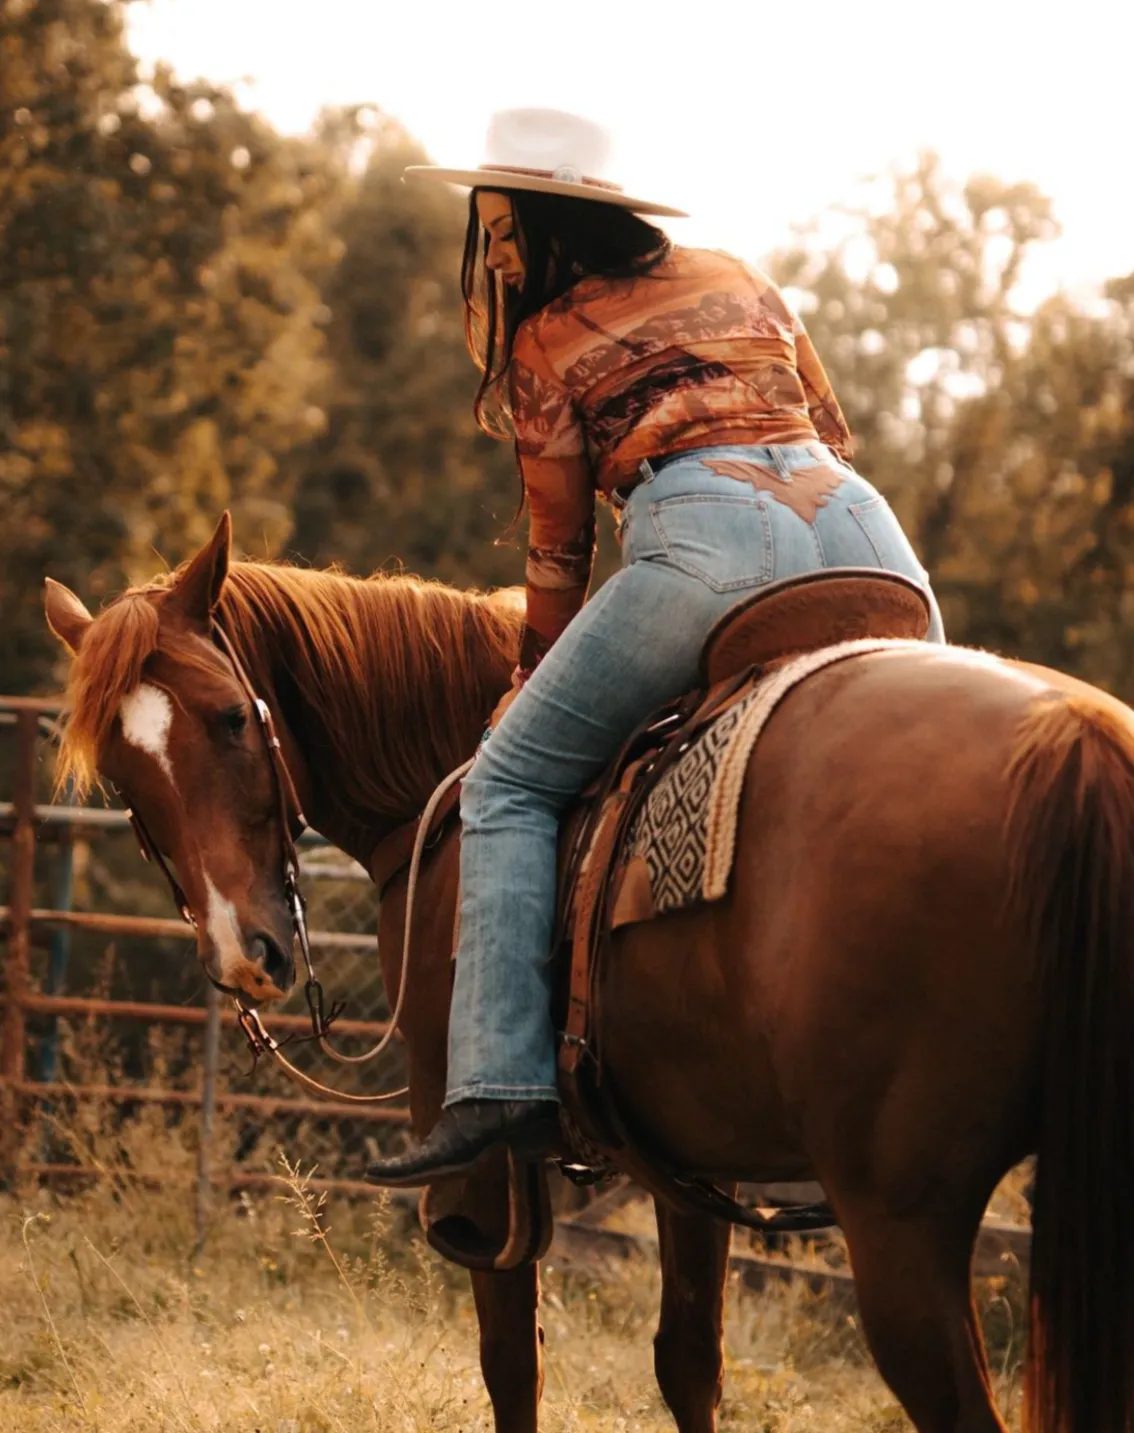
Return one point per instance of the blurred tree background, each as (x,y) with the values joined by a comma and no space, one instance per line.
(196,312)
(401,472)
(1006,443)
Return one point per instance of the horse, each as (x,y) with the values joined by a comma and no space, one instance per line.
(921,973)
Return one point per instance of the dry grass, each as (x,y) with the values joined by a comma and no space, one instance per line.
(306,1317)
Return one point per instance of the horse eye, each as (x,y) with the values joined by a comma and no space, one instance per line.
(235,720)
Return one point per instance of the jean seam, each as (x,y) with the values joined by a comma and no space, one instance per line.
(500,1092)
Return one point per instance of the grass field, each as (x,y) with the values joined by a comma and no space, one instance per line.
(303,1317)
(300,1319)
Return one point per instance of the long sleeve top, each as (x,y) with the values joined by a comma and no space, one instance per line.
(700,352)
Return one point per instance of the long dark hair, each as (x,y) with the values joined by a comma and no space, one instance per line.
(561,240)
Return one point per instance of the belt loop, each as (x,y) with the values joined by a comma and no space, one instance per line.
(619,497)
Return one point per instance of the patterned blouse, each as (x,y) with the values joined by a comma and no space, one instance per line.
(701,352)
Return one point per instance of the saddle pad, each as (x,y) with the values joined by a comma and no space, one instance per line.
(680,849)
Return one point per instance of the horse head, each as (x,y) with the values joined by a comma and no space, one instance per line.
(159,710)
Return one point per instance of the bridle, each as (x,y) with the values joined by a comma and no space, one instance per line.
(291,819)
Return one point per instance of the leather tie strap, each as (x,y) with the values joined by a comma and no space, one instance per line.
(394,852)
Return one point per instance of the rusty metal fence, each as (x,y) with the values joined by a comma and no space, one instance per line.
(109,1029)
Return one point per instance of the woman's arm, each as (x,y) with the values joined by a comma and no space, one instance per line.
(560,491)
(561,549)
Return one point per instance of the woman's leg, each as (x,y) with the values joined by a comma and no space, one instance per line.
(634,646)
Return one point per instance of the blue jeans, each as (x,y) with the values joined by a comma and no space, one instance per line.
(693,544)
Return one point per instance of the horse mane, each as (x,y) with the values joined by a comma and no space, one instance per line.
(394,676)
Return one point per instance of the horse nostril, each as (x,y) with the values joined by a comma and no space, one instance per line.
(276,964)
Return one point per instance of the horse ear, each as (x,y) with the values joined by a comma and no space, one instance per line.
(198,589)
(66,615)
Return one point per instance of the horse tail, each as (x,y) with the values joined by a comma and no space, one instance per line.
(1071,874)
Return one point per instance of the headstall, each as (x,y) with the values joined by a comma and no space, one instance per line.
(291,819)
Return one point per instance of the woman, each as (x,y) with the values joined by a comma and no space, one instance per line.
(676,384)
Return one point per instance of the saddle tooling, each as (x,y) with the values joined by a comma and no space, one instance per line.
(656,834)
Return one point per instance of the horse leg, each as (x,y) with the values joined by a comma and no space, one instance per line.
(688,1355)
(511,1345)
(915,1297)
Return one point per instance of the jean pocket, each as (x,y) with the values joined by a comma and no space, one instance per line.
(725,542)
(889,544)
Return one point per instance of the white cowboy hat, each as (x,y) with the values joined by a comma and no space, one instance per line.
(550,152)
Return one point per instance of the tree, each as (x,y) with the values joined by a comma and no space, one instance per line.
(1040,551)
(402,471)
(160,315)
(912,311)
(1006,442)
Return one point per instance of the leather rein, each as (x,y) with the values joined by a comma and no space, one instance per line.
(291,819)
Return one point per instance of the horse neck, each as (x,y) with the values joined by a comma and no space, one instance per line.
(381,713)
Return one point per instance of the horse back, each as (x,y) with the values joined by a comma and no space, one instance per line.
(864,946)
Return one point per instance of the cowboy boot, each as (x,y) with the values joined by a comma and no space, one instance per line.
(464,1132)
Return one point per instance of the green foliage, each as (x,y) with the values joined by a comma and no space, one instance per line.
(924,277)
(160,314)
(402,472)
(1039,523)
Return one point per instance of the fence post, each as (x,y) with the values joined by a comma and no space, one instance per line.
(208,1110)
(17,971)
(58,943)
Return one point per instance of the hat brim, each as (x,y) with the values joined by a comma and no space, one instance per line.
(509,179)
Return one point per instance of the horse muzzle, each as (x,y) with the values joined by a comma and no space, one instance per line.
(265,972)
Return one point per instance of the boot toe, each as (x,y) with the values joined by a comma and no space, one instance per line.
(463,1133)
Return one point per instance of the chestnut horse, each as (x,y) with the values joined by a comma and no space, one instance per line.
(923,970)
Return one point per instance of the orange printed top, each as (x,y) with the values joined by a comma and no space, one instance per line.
(700,352)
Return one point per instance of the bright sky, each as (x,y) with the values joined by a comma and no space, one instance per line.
(751,115)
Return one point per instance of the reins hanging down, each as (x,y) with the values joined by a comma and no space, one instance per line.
(263,1042)
(424,827)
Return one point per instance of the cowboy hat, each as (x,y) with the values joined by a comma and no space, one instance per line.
(547,151)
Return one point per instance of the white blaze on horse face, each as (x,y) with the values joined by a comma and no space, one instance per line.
(147,715)
(224,932)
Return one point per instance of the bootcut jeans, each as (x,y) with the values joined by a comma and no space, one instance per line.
(693,544)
